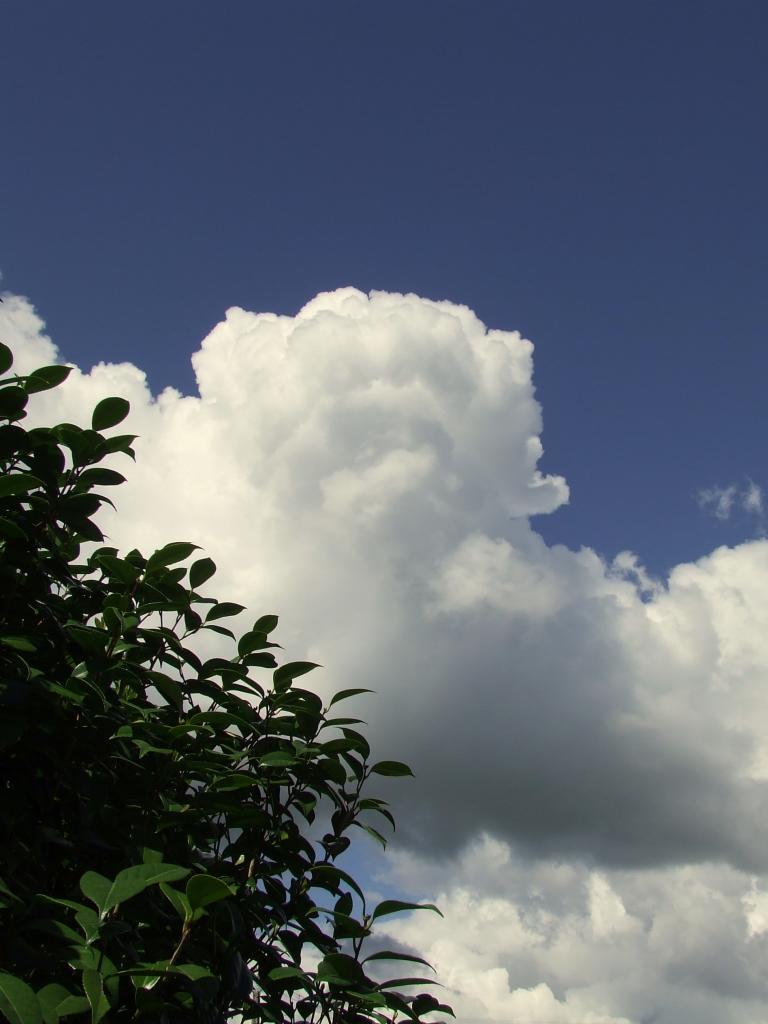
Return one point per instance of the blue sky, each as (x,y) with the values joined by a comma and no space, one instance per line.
(591,174)
(591,790)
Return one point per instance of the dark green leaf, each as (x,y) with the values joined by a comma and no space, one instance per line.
(46,377)
(94,990)
(167,688)
(201,571)
(251,641)
(278,759)
(10,529)
(18,643)
(391,768)
(18,483)
(109,412)
(223,609)
(128,883)
(13,401)
(266,624)
(18,1002)
(52,998)
(118,443)
(280,973)
(373,833)
(339,969)
(344,694)
(387,907)
(171,553)
(283,676)
(386,954)
(177,900)
(119,568)
(99,476)
(205,889)
(6,358)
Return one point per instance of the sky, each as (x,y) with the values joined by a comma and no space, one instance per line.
(443,329)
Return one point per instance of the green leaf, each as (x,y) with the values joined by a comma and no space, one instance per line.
(90,638)
(118,568)
(223,609)
(171,553)
(147,976)
(177,900)
(18,483)
(339,969)
(335,875)
(266,624)
(128,883)
(251,641)
(400,982)
(109,412)
(387,907)
(118,443)
(237,780)
(93,987)
(6,358)
(388,954)
(13,401)
(373,833)
(201,571)
(205,889)
(99,476)
(10,529)
(280,973)
(194,971)
(391,768)
(278,759)
(54,999)
(70,904)
(282,677)
(344,694)
(18,643)
(46,377)
(168,688)
(89,922)
(18,1002)
(71,1006)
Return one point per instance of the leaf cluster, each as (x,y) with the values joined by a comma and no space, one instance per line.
(170,823)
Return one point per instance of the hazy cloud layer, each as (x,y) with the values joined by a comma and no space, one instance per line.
(721,501)
(367,469)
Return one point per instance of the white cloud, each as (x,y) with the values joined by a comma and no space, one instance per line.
(752,498)
(721,501)
(548,941)
(368,470)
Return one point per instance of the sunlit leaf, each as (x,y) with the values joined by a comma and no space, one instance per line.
(129,882)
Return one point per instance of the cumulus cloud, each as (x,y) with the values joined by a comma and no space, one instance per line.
(369,469)
(569,944)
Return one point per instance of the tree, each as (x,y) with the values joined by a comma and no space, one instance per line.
(169,823)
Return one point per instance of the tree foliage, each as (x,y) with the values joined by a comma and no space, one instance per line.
(170,823)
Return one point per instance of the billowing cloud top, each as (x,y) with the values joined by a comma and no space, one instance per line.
(368,469)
